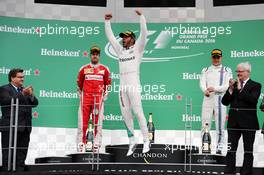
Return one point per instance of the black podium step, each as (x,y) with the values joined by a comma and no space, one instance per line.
(53,160)
(159,153)
(207,159)
(90,157)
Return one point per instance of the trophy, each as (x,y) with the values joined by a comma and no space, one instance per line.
(151,129)
(206,140)
(89,139)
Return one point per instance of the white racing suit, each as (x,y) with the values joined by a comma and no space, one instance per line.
(129,68)
(217,77)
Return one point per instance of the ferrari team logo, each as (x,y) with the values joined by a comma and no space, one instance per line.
(88,71)
(101,72)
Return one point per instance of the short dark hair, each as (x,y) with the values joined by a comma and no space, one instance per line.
(13,73)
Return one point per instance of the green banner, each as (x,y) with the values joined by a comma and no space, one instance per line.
(51,52)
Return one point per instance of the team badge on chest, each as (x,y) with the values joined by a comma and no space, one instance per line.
(88,70)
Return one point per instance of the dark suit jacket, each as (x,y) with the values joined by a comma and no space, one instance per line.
(243,106)
(262,109)
(26,103)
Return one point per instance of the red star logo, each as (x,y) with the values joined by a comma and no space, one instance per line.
(37,29)
(85,53)
(179,97)
(36,72)
(35,114)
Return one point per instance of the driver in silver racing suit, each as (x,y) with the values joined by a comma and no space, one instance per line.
(130,55)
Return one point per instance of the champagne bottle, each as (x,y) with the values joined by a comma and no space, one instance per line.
(151,129)
(206,140)
(89,139)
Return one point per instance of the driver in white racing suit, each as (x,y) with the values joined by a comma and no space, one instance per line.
(130,55)
(214,82)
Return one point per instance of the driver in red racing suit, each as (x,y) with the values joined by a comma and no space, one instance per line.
(93,80)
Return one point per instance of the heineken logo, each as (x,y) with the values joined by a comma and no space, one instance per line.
(57,94)
(191,76)
(193,118)
(158,97)
(246,53)
(27,71)
(63,52)
(113,117)
(60,53)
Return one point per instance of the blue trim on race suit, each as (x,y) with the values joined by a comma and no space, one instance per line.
(219,106)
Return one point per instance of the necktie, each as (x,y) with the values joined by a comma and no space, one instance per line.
(19,90)
(242,85)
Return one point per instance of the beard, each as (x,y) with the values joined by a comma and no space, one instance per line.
(94,61)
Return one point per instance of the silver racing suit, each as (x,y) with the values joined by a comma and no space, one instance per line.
(129,70)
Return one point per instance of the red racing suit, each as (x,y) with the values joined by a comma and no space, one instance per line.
(92,82)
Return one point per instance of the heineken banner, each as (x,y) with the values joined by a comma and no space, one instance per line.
(51,52)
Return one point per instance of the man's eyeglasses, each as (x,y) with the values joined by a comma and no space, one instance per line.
(240,71)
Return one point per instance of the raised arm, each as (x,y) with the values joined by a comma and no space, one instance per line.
(109,34)
(142,39)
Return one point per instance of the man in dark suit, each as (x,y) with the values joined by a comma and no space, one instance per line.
(27,101)
(242,96)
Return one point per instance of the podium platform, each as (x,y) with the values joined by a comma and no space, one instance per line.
(159,153)
(90,157)
(208,159)
(161,159)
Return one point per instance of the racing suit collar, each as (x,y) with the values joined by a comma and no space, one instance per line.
(216,67)
(127,48)
(94,65)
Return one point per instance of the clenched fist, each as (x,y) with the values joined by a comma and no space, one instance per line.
(108,16)
(138,12)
